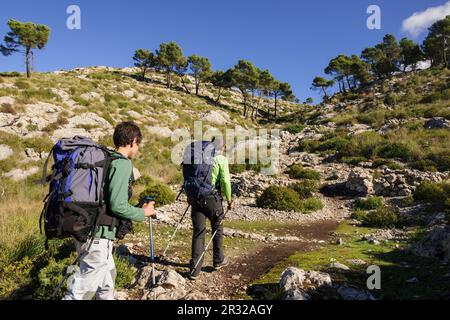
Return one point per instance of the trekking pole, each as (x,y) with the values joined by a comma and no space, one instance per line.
(152,256)
(209,243)
(162,257)
(58,287)
(66,276)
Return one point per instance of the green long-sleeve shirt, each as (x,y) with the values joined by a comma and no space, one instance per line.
(116,197)
(221,176)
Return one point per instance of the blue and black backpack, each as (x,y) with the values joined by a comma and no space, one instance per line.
(75,203)
(197,165)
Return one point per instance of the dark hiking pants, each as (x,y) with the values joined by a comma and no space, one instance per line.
(209,208)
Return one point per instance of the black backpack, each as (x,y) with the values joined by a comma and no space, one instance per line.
(197,165)
(75,205)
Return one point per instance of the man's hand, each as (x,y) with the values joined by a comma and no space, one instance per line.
(149,209)
(231,205)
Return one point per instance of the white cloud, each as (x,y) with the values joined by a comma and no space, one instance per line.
(421,21)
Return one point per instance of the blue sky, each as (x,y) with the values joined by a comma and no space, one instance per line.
(295,39)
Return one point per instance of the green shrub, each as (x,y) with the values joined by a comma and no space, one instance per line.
(333,144)
(371,203)
(353,160)
(13,276)
(311,204)
(298,172)
(125,273)
(308,145)
(362,145)
(396,150)
(162,193)
(306,188)
(279,198)
(434,193)
(237,168)
(294,128)
(384,217)
(388,163)
(50,276)
(12,74)
(424,165)
(431,98)
(391,100)
(22,84)
(359,215)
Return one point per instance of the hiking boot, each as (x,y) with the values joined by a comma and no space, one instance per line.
(223,264)
(193,277)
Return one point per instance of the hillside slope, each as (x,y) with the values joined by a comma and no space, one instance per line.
(367,174)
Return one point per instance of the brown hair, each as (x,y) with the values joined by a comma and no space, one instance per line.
(125,133)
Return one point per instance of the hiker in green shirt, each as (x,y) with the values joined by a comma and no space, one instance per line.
(211,208)
(97,273)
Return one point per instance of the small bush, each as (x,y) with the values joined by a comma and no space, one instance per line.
(424,165)
(396,151)
(22,84)
(384,217)
(353,160)
(359,214)
(50,276)
(434,193)
(388,163)
(294,128)
(279,198)
(125,273)
(14,276)
(391,100)
(333,144)
(371,203)
(306,188)
(162,193)
(298,172)
(311,204)
(308,145)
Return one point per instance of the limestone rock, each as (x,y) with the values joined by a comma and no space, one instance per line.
(348,292)
(5,152)
(295,282)
(164,132)
(20,174)
(216,117)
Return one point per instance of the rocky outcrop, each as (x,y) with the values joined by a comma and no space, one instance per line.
(252,184)
(296,283)
(435,244)
(347,292)
(360,181)
(437,123)
(390,183)
(170,285)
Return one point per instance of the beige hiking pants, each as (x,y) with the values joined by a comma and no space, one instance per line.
(97,272)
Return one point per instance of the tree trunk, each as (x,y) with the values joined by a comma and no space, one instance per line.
(276,106)
(28,53)
(219,95)
(168,79)
(325,93)
(445,53)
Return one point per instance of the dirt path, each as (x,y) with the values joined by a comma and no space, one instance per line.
(226,283)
